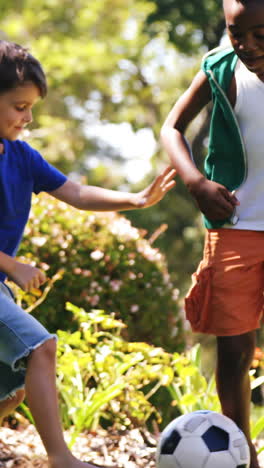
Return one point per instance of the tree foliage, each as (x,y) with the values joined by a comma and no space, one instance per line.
(95,58)
(111,61)
(191,24)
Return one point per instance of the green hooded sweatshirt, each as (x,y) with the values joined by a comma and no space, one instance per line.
(226,161)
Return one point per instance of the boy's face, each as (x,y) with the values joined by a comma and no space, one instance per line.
(16,110)
(245,27)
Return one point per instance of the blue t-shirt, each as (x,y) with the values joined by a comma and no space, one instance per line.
(22,172)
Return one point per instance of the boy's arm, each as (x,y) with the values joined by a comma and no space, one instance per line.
(213,199)
(25,276)
(89,197)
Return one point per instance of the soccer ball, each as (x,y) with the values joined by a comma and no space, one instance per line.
(202,439)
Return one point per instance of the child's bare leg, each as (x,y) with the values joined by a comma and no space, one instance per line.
(234,358)
(10,404)
(42,399)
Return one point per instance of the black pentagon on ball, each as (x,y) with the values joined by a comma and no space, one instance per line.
(216,439)
(170,443)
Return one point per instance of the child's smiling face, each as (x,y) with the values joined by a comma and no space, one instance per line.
(16,109)
(245,28)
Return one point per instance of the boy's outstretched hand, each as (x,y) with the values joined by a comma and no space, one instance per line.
(158,189)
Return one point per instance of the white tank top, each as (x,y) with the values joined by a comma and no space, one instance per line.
(249,110)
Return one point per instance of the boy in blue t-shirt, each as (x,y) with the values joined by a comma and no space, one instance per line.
(27,349)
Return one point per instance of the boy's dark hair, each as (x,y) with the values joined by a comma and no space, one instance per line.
(18,66)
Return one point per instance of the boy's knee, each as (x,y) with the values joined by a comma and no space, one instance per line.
(236,353)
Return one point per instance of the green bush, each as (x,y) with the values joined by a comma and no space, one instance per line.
(104,263)
(102,377)
(104,380)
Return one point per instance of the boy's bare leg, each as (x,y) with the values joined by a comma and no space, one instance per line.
(234,359)
(41,396)
(10,404)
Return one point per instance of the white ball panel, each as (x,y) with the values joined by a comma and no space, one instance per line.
(197,424)
(191,452)
(220,460)
(188,424)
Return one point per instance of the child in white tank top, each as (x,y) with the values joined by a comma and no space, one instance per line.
(226,298)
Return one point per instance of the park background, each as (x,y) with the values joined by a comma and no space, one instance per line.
(126,356)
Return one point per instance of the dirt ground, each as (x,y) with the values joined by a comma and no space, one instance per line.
(129,449)
(22,448)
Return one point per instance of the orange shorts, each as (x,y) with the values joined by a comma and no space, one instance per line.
(226,297)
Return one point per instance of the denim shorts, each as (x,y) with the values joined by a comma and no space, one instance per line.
(20,334)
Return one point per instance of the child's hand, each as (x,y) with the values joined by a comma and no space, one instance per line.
(214,200)
(158,189)
(26,276)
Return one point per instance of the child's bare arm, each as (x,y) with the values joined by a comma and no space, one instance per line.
(88,197)
(25,276)
(213,199)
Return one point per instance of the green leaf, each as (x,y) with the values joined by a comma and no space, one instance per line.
(257,428)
